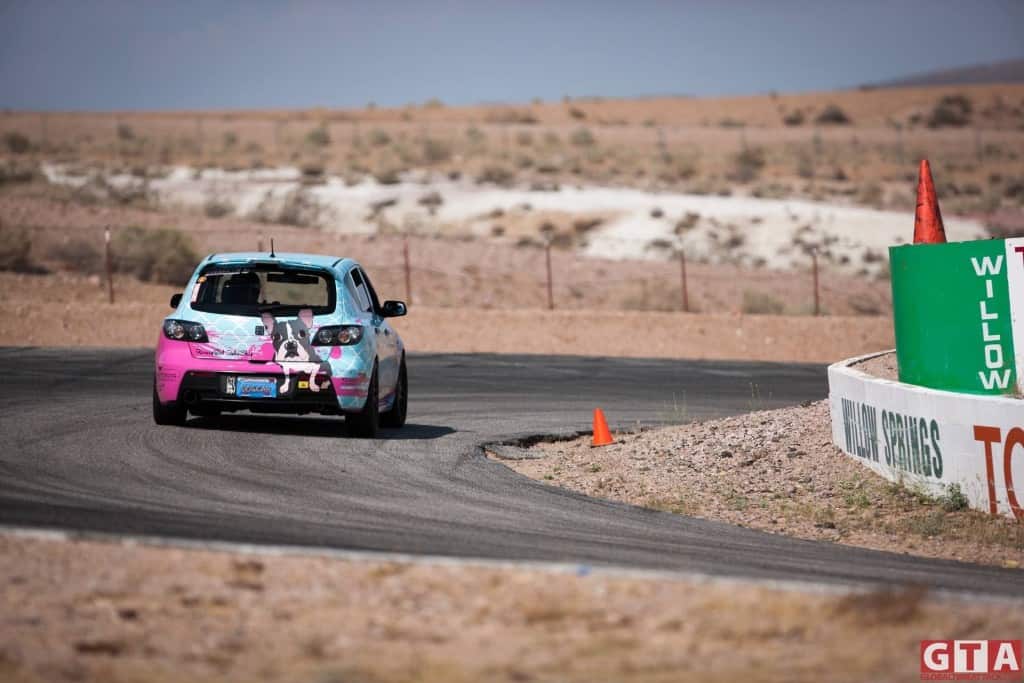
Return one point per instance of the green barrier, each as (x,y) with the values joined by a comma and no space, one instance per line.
(953,307)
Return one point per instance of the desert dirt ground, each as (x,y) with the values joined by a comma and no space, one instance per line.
(71,310)
(777,471)
(94,610)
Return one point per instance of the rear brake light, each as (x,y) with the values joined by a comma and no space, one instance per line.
(338,335)
(183,330)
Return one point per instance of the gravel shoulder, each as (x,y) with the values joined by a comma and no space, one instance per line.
(776,471)
(98,610)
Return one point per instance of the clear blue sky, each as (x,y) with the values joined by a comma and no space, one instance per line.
(191,54)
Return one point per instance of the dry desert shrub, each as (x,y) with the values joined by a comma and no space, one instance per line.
(582,137)
(388,176)
(495,174)
(950,110)
(871,195)
(832,115)
(17,143)
(379,138)
(747,165)
(216,207)
(436,151)
(78,255)
(510,115)
(318,137)
(163,255)
(17,172)
(794,118)
(15,246)
(760,303)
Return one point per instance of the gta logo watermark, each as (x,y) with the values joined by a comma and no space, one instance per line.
(971,660)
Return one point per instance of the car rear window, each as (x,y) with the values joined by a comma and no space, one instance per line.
(250,290)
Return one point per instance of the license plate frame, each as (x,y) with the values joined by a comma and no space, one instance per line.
(255,387)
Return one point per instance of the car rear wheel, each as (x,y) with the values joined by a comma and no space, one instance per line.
(167,414)
(366,422)
(395,417)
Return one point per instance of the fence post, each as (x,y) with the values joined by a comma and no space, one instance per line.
(682,279)
(109,267)
(547,256)
(408,272)
(814,269)
(199,135)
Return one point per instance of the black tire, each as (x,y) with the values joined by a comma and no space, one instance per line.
(168,414)
(366,422)
(395,418)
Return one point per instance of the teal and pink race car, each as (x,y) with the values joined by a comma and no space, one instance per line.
(281,333)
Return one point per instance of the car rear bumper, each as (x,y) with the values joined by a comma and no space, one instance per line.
(198,382)
(207,390)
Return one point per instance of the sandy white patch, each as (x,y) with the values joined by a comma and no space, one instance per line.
(641,225)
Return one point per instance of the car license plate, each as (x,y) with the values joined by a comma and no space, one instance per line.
(256,387)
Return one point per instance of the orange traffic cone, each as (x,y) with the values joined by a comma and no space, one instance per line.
(928,228)
(602,437)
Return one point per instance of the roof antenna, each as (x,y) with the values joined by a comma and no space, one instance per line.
(272,254)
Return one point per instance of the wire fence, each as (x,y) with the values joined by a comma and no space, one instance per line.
(481,274)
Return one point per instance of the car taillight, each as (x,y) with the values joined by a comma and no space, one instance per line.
(183,330)
(338,335)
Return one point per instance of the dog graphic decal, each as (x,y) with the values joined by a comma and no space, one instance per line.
(293,349)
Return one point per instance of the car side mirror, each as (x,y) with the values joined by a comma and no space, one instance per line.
(175,300)
(393,309)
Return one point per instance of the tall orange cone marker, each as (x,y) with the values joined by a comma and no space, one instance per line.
(928,228)
(602,437)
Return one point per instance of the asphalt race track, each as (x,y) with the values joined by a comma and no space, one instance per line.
(79,450)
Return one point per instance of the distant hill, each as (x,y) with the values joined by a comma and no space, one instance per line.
(998,72)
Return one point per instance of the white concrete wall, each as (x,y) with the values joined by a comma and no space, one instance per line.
(930,439)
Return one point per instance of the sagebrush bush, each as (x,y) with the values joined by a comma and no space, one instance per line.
(794,118)
(379,138)
(312,170)
(951,110)
(78,255)
(17,172)
(747,164)
(953,499)
(760,303)
(494,173)
(162,255)
(832,115)
(17,143)
(216,207)
(582,137)
(388,176)
(318,137)
(436,151)
(15,245)
(507,115)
